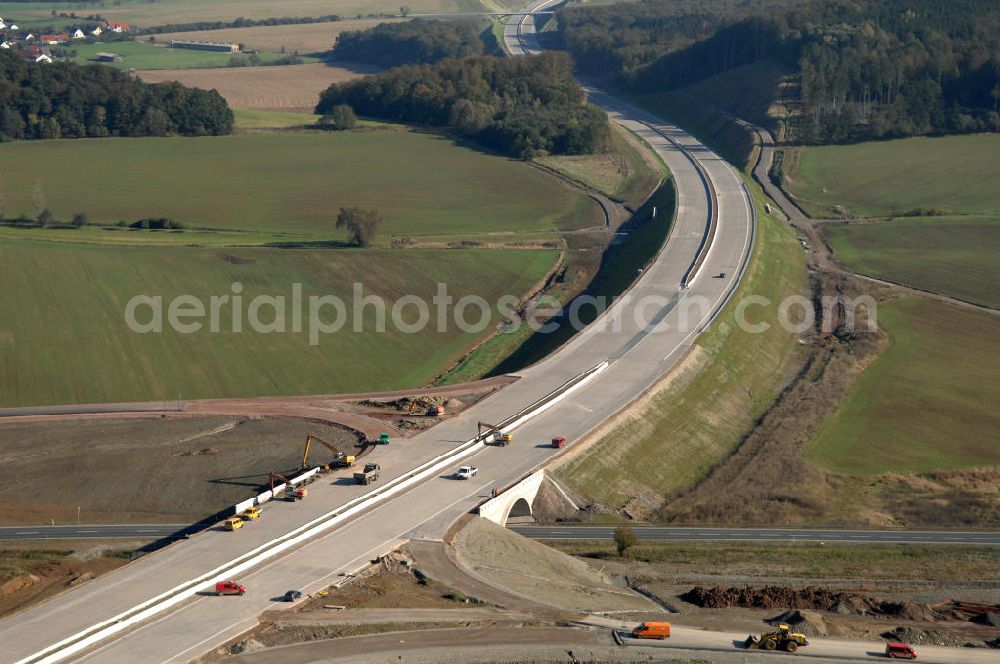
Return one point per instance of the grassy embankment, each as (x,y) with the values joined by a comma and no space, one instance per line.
(944,564)
(276,191)
(629,172)
(688,425)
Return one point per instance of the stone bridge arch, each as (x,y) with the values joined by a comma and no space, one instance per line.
(515,501)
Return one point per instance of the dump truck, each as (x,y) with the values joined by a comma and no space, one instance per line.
(234,523)
(369,475)
(229,588)
(782,638)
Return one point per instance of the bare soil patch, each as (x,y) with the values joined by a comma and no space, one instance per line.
(287,88)
(29,576)
(143,470)
(303,39)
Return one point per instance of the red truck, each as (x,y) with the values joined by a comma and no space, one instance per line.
(229,588)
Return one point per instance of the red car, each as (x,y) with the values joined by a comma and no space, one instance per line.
(229,588)
(901,650)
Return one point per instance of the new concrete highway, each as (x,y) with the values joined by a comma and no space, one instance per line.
(644,335)
(723,534)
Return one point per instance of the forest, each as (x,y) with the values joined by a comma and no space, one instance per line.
(66,100)
(518,106)
(865,68)
(413,42)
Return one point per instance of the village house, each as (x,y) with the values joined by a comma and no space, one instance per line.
(53,40)
(36,54)
(116,26)
(78,34)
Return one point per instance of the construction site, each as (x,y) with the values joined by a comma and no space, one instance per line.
(188,463)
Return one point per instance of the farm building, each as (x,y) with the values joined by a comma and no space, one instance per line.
(108,57)
(206,46)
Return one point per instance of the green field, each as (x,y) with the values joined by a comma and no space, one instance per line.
(690,425)
(260,209)
(628,171)
(955,256)
(253,119)
(927,403)
(143,13)
(63,337)
(142,55)
(291,183)
(955,173)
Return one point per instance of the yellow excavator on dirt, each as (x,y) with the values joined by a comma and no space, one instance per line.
(340,459)
(493,434)
(782,638)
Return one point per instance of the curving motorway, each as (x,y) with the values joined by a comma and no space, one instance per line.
(641,337)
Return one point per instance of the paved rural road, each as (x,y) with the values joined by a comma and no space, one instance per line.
(571,532)
(644,335)
(679,534)
(133,531)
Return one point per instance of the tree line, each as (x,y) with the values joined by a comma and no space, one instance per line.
(518,106)
(240,22)
(67,100)
(414,42)
(865,68)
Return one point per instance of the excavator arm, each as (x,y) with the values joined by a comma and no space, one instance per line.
(337,454)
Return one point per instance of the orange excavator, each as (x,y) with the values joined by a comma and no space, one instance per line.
(291,493)
(340,459)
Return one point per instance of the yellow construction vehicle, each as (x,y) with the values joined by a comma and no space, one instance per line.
(783,638)
(234,523)
(493,434)
(251,514)
(340,459)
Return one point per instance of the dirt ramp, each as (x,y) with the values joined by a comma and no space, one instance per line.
(529,569)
